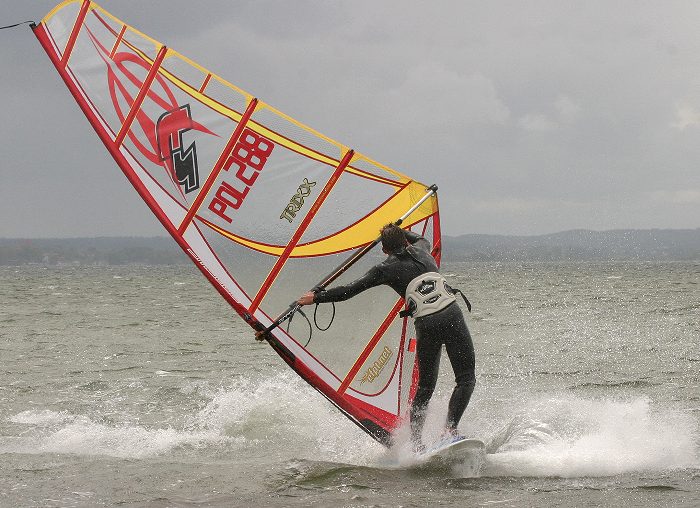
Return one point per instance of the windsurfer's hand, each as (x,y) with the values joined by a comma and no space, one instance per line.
(260,335)
(306,299)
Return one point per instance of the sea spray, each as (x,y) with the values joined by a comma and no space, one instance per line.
(284,412)
(573,436)
(565,436)
(279,413)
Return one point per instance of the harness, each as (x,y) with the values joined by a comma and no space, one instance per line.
(429,293)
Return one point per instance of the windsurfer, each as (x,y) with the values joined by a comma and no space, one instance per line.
(412,272)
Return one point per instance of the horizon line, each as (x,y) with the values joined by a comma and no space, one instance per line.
(446,235)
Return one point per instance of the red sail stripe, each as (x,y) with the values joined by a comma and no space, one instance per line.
(300,231)
(218,166)
(118,41)
(136,106)
(437,239)
(74,33)
(370,347)
(206,82)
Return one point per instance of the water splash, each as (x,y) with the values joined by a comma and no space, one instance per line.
(287,414)
(279,416)
(572,437)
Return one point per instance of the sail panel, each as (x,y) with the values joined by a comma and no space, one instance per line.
(263,173)
(60,23)
(222,97)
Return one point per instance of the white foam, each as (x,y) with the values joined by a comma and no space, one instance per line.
(41,418)
(75,434)
(286,413)
(571,437)
(282,414)
(565,436)
(85,437)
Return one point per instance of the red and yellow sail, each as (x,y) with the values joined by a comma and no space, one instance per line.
(262,204)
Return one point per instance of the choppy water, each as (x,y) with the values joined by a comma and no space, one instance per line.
(138,386)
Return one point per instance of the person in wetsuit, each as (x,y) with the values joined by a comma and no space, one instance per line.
(409,263)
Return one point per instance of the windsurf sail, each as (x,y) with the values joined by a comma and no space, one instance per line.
(263,205)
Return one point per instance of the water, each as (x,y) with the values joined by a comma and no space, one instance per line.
(137,386)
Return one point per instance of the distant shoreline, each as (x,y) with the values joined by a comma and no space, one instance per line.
(579,245)
(574,245)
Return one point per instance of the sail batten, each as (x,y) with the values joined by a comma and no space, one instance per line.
(262,204)
(220,162)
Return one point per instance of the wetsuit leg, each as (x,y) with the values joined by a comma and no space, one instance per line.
(428,351)
(460,350)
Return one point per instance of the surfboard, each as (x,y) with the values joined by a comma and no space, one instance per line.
(463,458)
(454,451)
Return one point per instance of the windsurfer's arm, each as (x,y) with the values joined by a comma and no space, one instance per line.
(417,240)
(340,293)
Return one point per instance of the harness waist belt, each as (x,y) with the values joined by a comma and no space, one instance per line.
(427,294)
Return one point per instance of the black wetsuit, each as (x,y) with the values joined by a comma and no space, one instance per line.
(446,326)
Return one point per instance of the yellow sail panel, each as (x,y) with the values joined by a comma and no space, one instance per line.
(357,235)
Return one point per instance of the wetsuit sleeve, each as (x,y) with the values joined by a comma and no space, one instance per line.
(417,241)
(340,293)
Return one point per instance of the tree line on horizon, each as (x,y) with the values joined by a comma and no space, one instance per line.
(576,245)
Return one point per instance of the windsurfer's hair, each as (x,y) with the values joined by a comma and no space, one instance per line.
(393,238)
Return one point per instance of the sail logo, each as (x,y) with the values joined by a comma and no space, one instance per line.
(249,157)
(297,200)
(377,367)
(123,70)
(182,162)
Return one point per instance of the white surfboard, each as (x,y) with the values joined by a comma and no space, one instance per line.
(463,457)
(453,451)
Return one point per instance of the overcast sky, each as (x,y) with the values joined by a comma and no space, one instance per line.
(531,117)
